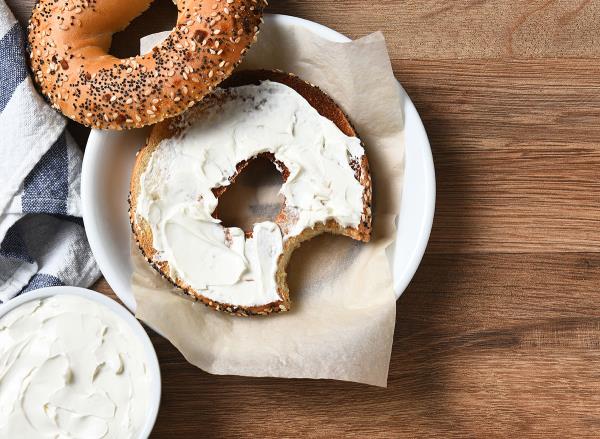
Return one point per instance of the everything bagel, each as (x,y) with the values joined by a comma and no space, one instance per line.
(69,42)
(188,162)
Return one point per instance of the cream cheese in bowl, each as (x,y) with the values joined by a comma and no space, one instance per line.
(71,367)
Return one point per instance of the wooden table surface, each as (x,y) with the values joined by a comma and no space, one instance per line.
(499,332)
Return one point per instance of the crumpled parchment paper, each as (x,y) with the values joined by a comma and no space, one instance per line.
(342,320)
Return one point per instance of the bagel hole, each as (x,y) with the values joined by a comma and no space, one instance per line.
(160,16)
(253,197)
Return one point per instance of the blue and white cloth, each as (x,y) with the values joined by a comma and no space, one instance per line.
(43,242)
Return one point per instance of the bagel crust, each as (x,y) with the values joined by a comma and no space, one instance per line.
(166,130)
(69,42)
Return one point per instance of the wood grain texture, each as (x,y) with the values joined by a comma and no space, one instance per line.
(499,333)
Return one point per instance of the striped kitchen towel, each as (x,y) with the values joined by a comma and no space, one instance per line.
(43,242)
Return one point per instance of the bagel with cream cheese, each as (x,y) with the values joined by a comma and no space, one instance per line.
(189,161)
(69,42)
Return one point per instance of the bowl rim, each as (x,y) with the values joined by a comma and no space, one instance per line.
(125,315)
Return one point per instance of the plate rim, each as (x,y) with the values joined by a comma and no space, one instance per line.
(403,269)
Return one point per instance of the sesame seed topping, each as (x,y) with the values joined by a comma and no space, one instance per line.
(101,92)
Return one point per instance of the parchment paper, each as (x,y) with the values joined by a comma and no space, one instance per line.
(343,307)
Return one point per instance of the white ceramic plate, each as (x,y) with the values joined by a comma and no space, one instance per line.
(109,158)
(138,330)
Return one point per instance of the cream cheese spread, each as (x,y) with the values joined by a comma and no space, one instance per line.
(177,201)
(70,368)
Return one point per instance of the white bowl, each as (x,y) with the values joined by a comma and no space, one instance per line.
(109,158)
(136,327)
